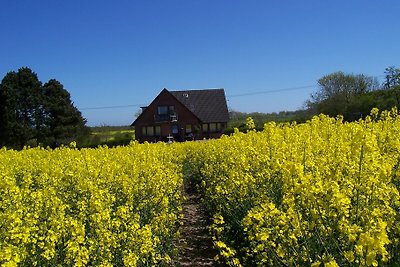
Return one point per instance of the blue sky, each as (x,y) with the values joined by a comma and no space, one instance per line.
(120,53)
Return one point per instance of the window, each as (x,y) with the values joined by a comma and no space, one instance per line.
(213,127)
(157,130)
(165,110)
(151,131)
(188,128)
(162,110)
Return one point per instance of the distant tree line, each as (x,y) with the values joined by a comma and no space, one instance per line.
(238,119)
(32,113)
(350,95)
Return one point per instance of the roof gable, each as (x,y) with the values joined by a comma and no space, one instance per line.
(207,105)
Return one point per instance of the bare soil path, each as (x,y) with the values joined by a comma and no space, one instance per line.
(195,245)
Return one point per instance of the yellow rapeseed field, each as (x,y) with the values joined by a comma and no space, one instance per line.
(322,193)
(89,207)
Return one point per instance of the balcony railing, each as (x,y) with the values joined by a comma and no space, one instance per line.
(166,117)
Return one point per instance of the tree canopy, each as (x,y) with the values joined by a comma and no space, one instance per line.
(353,96)
(392,77)
(32,113)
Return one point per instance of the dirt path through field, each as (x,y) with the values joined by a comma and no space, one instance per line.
(195,245)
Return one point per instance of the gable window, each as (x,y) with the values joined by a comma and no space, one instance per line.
(188,128)
(165,110)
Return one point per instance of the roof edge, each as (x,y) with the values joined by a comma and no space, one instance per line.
(165,89)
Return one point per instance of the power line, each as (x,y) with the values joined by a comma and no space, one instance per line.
(113,107)
(228,96)
(273,91)
(236,95)
(284,89)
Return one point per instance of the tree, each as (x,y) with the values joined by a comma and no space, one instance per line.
(384,99)
(21,108)
(64,122)
(32,113)
(337,91)
(392,77)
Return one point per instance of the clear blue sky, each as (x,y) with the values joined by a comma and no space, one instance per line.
(118,53)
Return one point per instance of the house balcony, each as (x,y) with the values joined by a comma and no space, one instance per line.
(166,117)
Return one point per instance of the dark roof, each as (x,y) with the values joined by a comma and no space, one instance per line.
(208,105)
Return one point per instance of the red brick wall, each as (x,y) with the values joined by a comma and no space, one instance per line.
(184,117)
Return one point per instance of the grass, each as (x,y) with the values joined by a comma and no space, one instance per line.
(109,135)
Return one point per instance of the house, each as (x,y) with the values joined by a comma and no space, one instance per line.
(183,115)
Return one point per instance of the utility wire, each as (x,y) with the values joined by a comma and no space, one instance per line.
(283,89)
(228,96)
(113,107)
(273,91)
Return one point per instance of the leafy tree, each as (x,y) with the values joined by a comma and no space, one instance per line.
(338,90)
(32,113)
(392,77)
(21,108)
(64,122)
(381,99)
